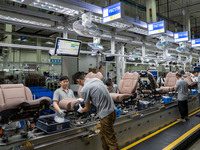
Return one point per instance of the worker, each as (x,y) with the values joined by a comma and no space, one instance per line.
(95,92)
(59,94)
(112,88)
(46,74)
(199,87)
(11,79)
(161,80)
(182,88)
(194,76)
(198,115)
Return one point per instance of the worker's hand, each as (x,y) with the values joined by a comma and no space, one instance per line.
(61,113)
(80,109)
(80,99)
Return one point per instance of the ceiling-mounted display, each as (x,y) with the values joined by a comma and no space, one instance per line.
(67,47)
(156,27)
(112,12)
(195,42)
(181,36)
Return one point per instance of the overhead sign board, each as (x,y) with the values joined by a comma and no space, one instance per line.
(156,27)
(112,12)
(195,42)
(181,36)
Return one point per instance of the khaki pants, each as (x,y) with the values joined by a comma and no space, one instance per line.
(108,138)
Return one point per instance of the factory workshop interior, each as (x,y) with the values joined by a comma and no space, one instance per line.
(71,71)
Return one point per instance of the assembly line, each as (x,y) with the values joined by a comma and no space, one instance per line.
(99,74)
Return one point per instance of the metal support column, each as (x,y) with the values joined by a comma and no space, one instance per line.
(7,52)
(165,52)
(184,67)
(38,56)
(151,4)
(191,60)
(123,60)
(112,44)
(98,58)
(118,66)
(199,58)
(179,57)
(106,70)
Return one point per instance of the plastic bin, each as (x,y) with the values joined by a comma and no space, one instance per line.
(193,92)
(47,112)
(118,112)
(143,105)
(167,99)
(49,126)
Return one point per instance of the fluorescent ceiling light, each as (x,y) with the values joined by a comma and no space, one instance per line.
(60,27)
(49,42)
(138,30)
(137,42)
(52,7)
(55,8)
(24,21)
(119,25)
(97,19)
(106,36)
(70,29)
(122,38)
(17,1)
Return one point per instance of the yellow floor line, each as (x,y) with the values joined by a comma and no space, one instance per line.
(173,144)
(151,135)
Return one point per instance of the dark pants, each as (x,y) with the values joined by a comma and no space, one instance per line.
(108,138)
(183,108)
(199,99)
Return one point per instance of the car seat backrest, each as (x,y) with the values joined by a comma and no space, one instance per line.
(187,76)
(154,82)
(128,83)
(170,80)
(11,92)
(1,98)
(90,75)
(94,75)
(29,95)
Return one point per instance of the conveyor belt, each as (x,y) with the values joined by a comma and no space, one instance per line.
(176,135)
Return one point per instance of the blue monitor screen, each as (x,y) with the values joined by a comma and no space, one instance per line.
(67,47)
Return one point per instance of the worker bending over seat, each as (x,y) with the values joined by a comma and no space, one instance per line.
(95,91)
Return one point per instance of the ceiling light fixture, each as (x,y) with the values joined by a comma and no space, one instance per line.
(24,21)
(55,8)
(138,30)
(52,7)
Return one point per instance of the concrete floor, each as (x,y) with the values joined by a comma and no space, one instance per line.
(195,145)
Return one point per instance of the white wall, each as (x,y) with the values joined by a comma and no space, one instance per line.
(86,62)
